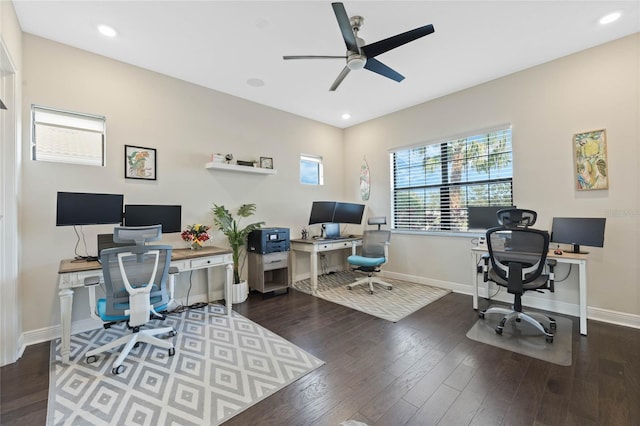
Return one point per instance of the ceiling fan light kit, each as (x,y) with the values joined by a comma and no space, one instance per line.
(360,55)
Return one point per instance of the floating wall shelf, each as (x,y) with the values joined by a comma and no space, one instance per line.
(242,169)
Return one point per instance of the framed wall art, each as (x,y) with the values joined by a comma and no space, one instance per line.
(139,162)
(266,162)
(591,166)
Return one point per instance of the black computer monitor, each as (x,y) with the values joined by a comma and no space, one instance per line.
(483,218)
(169,216)
(322,212)
(578,231)
(81,208)
(348,213)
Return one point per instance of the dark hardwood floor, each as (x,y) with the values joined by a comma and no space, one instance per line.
(422,370)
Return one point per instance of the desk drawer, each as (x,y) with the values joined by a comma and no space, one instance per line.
(273,261)
(206,262)
(334,246)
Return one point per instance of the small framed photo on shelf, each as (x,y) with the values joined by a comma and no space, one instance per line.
(266,162)
(139,162)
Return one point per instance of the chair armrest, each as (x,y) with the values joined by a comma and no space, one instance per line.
(91,281)
(354,244)
(386,251)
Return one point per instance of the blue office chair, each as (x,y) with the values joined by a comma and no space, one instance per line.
(375,252)
(518,256)
(135,281)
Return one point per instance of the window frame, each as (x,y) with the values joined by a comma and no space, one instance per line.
(316,159)
(81,124)
(445,221)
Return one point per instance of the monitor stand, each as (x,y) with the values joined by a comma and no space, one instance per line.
(576,249)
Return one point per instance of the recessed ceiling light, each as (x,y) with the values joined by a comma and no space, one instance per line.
(346,116)
(609,18)
(107,31)
(255,82)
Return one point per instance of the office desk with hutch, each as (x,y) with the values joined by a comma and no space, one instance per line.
(579,259)
(317,246)
(71,274)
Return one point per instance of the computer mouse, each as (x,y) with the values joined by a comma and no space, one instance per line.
(558,252)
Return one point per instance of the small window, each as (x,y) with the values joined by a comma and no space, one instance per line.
(311,172)
(67,137)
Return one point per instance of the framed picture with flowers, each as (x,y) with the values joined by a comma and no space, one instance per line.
(139,162)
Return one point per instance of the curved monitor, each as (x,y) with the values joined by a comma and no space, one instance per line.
(322,212)
(578,231)
(348,213)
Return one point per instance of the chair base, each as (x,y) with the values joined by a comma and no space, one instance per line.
(131,340)
(370,281)
(533,318)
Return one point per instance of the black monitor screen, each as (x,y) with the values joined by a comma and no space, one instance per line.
(579,231)
(79,208)
(348,213)
(322,212)
(483,218)
(170,217)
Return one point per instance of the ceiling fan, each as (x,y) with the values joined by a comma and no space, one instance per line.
(360,55)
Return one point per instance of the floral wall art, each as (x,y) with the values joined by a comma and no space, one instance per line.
(140,163)
(592,168)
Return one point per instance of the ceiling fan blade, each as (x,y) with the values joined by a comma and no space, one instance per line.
(313,57)
(374,49)
(345,27)
(341,77)
(380,68)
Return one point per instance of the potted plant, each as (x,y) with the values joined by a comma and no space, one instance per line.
(237,237)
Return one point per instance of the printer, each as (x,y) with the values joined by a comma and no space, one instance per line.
(268,240)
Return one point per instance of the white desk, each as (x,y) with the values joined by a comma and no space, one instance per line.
(316,246)
(571,258)
(71,274)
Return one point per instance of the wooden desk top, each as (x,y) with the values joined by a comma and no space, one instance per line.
(71,265)
(550,254)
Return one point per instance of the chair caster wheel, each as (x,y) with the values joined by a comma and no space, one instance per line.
(549,339)
(481,315)
(173,333)
(370,292)
(136,345)
(91,359)
(553,325)
(349,288)
(499,330)
(117,370)
(172,351)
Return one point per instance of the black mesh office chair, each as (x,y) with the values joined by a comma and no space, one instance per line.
(517,256)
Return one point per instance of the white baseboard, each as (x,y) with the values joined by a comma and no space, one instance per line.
(54,332)
(572,309)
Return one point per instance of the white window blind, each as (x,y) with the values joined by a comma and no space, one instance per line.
(311,170)
(434,184)
(67,137)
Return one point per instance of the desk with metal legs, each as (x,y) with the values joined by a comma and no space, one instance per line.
(71,274)
(571,258)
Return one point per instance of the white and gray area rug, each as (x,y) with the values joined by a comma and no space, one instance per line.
(391,305)
(222,366)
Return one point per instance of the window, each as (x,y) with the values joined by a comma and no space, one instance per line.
(67,137)
(434,184)
(311,172)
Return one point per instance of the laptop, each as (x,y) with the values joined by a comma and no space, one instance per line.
(105,241)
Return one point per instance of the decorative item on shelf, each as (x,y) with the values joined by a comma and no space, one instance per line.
(196,235)
(237,237)
(217,158)
(246,163)
(304,233)
(266,162)
(228,157)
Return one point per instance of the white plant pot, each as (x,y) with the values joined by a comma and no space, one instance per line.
(240,292)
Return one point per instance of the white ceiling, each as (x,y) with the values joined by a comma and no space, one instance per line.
(222,45)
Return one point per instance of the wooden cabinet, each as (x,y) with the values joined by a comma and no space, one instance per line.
(269,272)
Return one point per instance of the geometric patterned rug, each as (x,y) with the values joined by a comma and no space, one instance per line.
(222,366)
(391,305)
